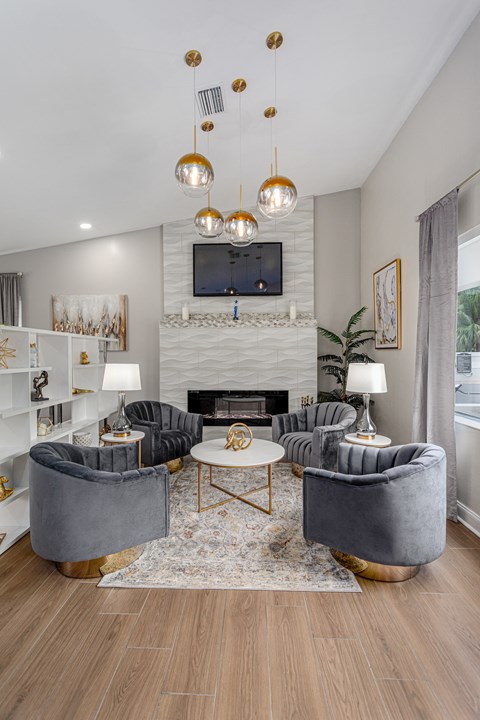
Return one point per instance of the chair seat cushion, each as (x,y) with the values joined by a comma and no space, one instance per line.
(174,444)
(298,447)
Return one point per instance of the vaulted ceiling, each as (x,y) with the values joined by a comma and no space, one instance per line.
(97,101)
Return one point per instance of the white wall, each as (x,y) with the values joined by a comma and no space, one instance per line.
(129,263)
(436,149)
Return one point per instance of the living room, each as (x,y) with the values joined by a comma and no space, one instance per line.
(229,613)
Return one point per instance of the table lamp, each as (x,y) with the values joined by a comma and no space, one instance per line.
(366,378)
(121,377)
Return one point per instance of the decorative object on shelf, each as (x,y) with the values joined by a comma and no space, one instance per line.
(56,415)
(185,312)
(260,284)
(94,315)
(44,426)
(366,378)
(236,437)
(235,310)
(337,365)
(81,391)
(293,310)
(105,429)
(4,491)
(387,307)
(39,383)
(84,358)
(121,377)
(306,401)
(83,439)
(241,227)
(194,173)
(209,221)
(34,360)
(5,353)
(277,195)
(2,537)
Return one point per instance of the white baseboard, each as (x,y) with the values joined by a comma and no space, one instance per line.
(469,518)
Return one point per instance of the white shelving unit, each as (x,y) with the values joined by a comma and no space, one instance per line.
(59,355)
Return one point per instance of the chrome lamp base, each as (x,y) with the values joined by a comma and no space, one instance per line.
(366,428)
(121,427)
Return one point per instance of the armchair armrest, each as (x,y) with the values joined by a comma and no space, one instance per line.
(325,442)
(287,423)
(314,475)
(190,422)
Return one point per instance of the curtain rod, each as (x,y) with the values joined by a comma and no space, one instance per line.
(14,273)
(464,182)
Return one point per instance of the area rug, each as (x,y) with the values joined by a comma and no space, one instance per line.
(235,546)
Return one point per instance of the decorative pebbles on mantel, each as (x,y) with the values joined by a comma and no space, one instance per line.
(245,320)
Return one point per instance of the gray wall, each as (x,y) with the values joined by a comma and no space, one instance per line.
(129,263)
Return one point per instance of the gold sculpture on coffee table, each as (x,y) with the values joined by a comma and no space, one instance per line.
(236,439)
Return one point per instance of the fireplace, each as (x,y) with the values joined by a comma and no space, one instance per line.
(224,407)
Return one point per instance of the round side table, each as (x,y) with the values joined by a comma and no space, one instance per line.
(135,437)
(379,441)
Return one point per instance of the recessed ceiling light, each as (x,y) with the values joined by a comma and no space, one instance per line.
(86,226)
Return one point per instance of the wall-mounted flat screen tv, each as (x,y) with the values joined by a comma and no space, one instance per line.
(222,269)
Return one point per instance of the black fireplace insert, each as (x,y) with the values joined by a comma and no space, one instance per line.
(224,407)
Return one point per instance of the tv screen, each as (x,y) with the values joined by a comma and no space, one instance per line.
(222,269)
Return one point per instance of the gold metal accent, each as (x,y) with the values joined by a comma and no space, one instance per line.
(207,126)
(274,40)
(234,496)
(208,212)
(194,158)
(84,358)
(375,571)
(270,112)
(122,434)
(4,492)
(102,565)
(174,465)
(297,470)
(242,215)
(81,391)
(276,180)
(193,58)
(239,85)
(236,437)
(5,353)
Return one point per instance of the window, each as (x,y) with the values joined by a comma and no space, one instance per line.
(467,375)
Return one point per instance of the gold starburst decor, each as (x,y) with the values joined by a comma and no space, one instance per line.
(236,438)
(5,353)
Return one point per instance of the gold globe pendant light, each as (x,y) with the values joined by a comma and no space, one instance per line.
(277,195)
(194,172)
(241,227)
(208,221)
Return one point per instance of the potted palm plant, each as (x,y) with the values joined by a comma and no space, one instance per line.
(351,343)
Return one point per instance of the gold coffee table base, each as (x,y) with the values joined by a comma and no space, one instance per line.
(375,571)
(234,496)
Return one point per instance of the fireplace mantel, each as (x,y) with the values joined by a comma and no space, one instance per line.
(222,320)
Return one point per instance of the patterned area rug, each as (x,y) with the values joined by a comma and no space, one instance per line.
(235,546)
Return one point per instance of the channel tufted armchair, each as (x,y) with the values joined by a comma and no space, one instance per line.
(170,433)
(385,507)
(87,504)
(311,436)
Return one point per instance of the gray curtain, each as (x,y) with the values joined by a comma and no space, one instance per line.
(10,298)
(434,401)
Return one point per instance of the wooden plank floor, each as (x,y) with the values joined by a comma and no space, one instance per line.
(72,651)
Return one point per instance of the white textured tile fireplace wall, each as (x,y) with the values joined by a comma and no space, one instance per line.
(239,357)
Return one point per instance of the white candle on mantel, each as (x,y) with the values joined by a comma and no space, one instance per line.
(185,312)
(293,310)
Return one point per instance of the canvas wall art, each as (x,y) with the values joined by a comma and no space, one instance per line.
(387,306)
(96,315)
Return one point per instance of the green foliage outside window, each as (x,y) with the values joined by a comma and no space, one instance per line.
(468,320)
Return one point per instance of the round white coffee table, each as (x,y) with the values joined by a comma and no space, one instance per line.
(213,454)
(135,437)
(379,441)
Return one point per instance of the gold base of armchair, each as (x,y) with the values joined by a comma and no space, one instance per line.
(375,571)
(297,470)
(97,567)
(174,465)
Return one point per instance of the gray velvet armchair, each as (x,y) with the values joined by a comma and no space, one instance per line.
(311,436)
(90,503)
(386,507)
(170,433)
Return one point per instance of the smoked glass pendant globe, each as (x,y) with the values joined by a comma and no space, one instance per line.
(261,284)
(209,223)
(241,228)
(194,175)
(277,197)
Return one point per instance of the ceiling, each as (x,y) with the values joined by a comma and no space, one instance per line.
(97,101)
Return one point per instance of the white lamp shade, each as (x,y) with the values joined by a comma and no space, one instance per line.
(366,378)
(121,376)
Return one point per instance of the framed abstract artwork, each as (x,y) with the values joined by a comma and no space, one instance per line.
(387,307)
(96,315)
